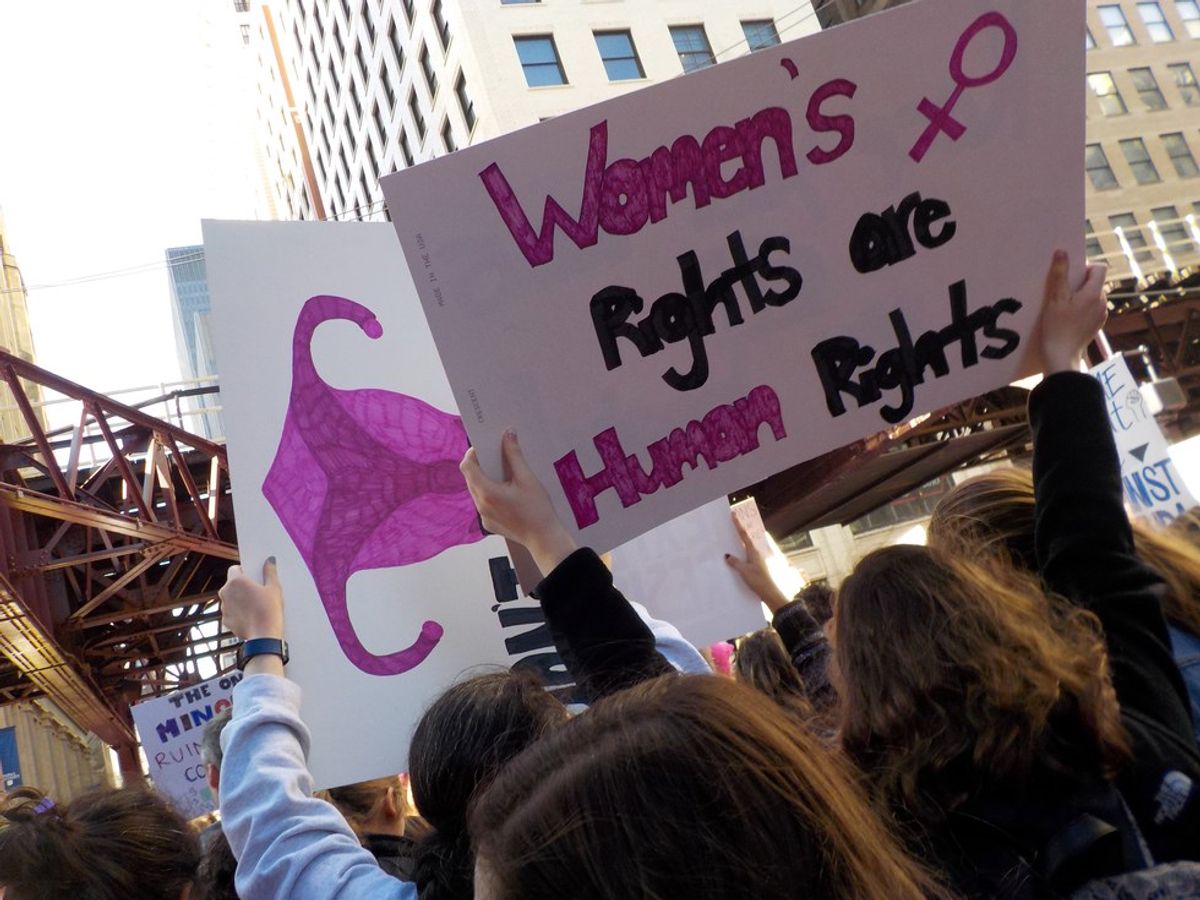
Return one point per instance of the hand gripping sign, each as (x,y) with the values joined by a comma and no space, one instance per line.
(758,264)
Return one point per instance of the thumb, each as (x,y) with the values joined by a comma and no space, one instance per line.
(1094,277)
(271,573)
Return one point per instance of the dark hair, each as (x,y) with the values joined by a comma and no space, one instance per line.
(361,802)
(764,664)
(105,845)
(210,743)
(953,674)
(817,598)
(690,788)
(459,745)
(215,880)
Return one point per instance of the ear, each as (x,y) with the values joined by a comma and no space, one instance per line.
(391,808)
(213,775)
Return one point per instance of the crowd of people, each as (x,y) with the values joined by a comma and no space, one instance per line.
(1010,711)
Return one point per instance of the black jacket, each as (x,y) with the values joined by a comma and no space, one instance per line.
(600,637)
(810,652)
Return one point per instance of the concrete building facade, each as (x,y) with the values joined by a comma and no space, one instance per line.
(190,311)
(378,85)
(16,337)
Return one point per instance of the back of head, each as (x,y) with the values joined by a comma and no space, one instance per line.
(218,868)
(459,745)
(1176,556)
(763,663)
(684,787)
(953,675)
(362,802)
(210,742)
(817,598)
(105,845)
(991,514)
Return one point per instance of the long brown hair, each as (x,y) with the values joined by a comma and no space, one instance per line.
(954,675)
(994,513)
(686,787)
(363,801)
(105,845)
(762,662)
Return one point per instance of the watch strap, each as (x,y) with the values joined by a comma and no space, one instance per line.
(247,650)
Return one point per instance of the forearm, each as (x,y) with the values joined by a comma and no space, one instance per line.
(288,844)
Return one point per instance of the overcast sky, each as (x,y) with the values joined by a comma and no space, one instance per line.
(120,132)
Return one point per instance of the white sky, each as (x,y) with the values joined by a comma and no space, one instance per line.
(119,132)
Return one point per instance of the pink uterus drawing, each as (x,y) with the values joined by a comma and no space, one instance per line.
(366,479)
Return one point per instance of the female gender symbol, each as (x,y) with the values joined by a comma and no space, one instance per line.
(940,118)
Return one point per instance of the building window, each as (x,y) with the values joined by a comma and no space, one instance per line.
(1185,80)
(1105,89)
(1181,155)
(397,43)
(246,35)
(362,65)
(1148,89)
(1173,230)
(415,109)
(365,192)
(409,9)
(355,105)
(760,33)
(448,137)
(405,150)
(335,202)
(430,74)
(691,43)
(241,5)
(439,19)
(1116,25)
(389,88)
(340,49)
(539,59)
(465,106)
(918,504)
(619,55)
(377,116)
(1094,249)
(1139,161)
(1155,22)
(1098,168)
(368,21)
(1189,11)
(1127,222)
(1089,42)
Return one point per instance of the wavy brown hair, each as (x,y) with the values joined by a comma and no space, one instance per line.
(955,675)
(762,662)
(994,513)
(690,788)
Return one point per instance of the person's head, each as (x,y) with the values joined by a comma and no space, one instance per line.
(218,868)
(459,745)
(379,806)
(105,845)
(817,598)
(684,787)
(210,749)
(952,675)
(763,663)
(994,514)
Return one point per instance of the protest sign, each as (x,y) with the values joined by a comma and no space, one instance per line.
(10,761)
(344,445)
(678,292)
(170,729)
(678,571)
(1154,488)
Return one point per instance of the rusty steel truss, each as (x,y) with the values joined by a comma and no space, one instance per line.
(115,534)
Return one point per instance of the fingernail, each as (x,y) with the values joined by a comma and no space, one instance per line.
(1060,256)
(511,434)
(728,557)
(271,560)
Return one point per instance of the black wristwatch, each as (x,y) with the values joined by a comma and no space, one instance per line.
(247,650)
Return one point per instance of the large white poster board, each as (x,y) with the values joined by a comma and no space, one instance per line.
(170,728)
(344,445)
(1154,487)
(679,292)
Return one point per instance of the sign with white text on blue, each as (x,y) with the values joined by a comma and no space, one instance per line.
(10,762)
(1154,488)
(688,288)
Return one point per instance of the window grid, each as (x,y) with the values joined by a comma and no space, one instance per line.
(1185,80)
(1189,12)
(1128,224)
(1099,169)
(465,105)
(1105,89)
(691,43)
(760,33)
(1181,155)
(539,60)
(397,43)
(405,149)
(1094,248)
(1155,22)
(1115,23)
(443,27)
(448,137)
(414,108)
(1148,90)
(1173,230)
(1139,161)
(430,75)
(619,55)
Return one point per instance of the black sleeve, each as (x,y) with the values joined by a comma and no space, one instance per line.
(810,652)
(1085,545)
(603,641)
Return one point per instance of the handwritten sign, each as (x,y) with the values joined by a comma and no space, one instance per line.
(1154,488)
(681,291)
(344,445)
(170,729)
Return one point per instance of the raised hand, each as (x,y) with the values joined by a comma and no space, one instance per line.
(754,572)
(1071,319)
(250,609)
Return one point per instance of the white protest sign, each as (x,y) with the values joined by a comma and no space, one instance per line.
(170,729)
(344,445)
(1154,488)
(681,291)
(678,571)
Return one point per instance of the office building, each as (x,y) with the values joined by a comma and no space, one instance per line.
(190,312)
(16,337)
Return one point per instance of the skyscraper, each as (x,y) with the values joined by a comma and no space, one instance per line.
(16,337)
(378,85)
(190,310)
